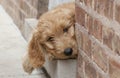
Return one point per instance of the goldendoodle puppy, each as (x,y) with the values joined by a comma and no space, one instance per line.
(54,37)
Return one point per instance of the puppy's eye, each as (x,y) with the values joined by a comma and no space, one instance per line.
(50,39)
(65,30)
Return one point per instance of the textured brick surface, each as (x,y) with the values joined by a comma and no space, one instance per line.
(96,29)
(99,57)
(114,70)
(88,2)
(116,44)
(19,10)
(89,70)
(80,16)
(98,38)
(81,65)
(117,11)
(89,23)
(86,44)
(107,36)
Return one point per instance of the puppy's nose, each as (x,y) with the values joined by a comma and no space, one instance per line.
(68,51)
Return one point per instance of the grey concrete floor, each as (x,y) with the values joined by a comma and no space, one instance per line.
(12,48)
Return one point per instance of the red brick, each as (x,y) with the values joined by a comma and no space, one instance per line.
(114,70)
(34,3)
(117,13)
(99,57)
(80,16)
(105,7)
(42,6)
(29,9)
(99,76)
(81,1)
(100,6)
(79,37)
(92,31)
(86,44)
(88,2)
(116,44)
(83,41)
(96,29)
(96,5)
(80,66)
(102,76)
(108,34)
(90,71)
(109,8)
(88,22)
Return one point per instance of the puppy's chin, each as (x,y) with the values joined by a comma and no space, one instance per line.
(65,58)
(62,57)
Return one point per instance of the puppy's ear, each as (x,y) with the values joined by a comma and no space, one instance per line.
(35,51)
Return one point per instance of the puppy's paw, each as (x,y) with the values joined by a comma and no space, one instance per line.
(27,66)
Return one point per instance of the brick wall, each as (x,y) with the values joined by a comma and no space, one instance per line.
(98,37)
(19,10)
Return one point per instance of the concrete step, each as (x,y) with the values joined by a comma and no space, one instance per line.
(55,68)
(12,48)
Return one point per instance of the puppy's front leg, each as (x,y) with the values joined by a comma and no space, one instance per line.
(26,64)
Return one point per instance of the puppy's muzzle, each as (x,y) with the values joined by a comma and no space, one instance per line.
(68,51)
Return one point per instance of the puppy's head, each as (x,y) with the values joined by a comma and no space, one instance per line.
(54,35)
